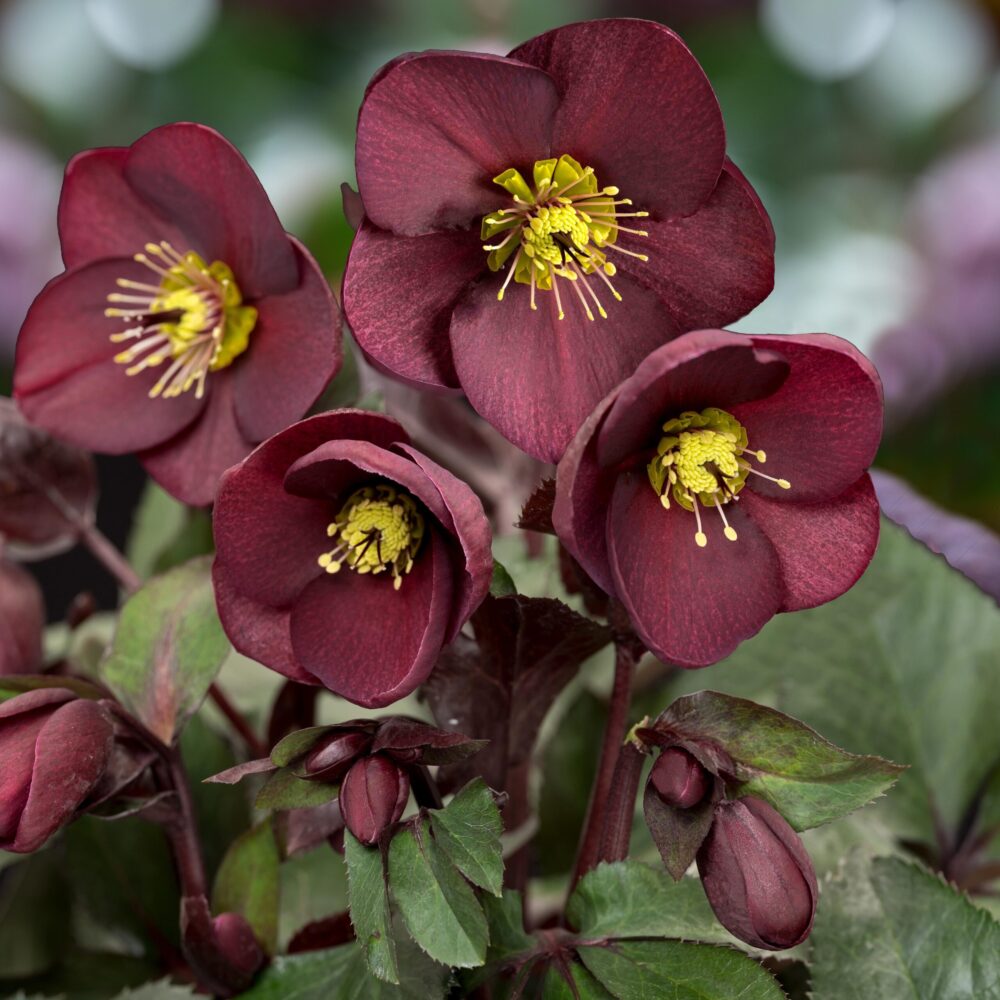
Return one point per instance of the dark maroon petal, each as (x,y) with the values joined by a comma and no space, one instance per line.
(714,266)
(368,642)
(823,547)
(295,349)
(100,215)
(336,466)
(435,129)
(469,525)
(821,429)
(705,368)
(190,465)
(71,754)
(691,606)
(268,540)
(636,107)
(18,735)
(65,376)
(257,630)
(399,293)
(536,377)
(199,181)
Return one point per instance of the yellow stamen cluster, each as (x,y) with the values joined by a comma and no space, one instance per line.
(194,318)
(560,228)
(702,459)
(378,528)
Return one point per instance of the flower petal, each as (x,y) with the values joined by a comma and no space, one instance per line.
(295,349)
(714,266)
(636,107)
(474,573)
(823,547)
(536,377)
(435,129)
(821,429)
(198,180)
(257,630)
(190,465)
(267,540)
(65,377)
(700,369)
(399,293)
(691,606)
(365,640)
(100,215)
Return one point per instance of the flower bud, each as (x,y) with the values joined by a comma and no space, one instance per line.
(22,617)
(373,797)
(55,748)
(237,943)
(679,779)
(757,875)
(331,757)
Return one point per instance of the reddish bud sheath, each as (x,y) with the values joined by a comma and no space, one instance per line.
(331,758)
(679,779)
(373,796)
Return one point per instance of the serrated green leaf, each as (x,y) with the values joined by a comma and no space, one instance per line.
(894,931)
(249,883)
(167,649)
(502,583)
(468,831)
(804,776)
(437,905)
(283,790)
(506,923)
(341,973)
(903,665)
(585,986)
(677,970)
(369,902)
(632,899)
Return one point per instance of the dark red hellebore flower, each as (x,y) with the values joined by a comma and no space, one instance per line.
(535,225)
(373,796)
(724,482)
(188,326)
(347,558)
(757,875)
(55,748)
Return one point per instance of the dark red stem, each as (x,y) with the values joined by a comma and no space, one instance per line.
(238,721)
(620,808)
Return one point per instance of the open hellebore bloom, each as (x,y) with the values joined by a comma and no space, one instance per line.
(757,875)
(188,326)
(55,748)
(724,482)
(535,225)
(347,558)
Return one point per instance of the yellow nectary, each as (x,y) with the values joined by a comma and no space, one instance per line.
(561,228)
(378,528)
(701,459)
(194,318)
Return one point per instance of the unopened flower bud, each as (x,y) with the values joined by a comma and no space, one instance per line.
(757,875)
(330,759)
(22,617)
(237,943)
(55,748)
(373,797)
(679,779)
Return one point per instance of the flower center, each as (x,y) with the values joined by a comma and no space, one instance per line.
(561,228)
(702,458)
(194,318)
(379,528)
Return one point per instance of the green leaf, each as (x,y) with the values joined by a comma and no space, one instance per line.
(585,986)
(341,973)
(283,790)
(296,744)
(805,777)
(370,914)
(896,932)
(159,524)
(631,899)
(901,666)
(15,684)
(502,584)
(677,970)
(167,649)
(506,923)
(249,883)
(468,831)
(437,905)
